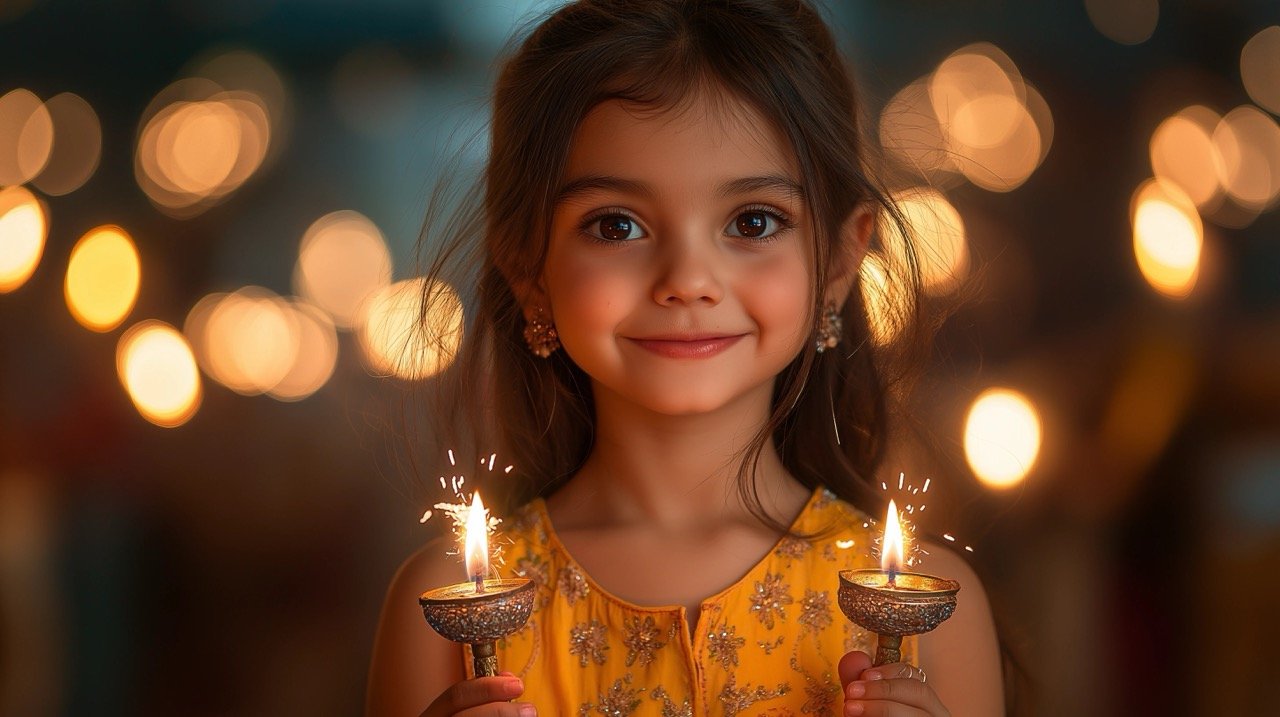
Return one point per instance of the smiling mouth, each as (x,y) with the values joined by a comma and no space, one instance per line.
(686,347)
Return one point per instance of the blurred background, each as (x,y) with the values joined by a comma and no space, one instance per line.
(208,214)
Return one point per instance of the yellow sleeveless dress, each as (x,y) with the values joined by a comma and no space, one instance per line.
(766,645)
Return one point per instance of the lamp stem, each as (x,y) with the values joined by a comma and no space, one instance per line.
(888,649)
(484,659)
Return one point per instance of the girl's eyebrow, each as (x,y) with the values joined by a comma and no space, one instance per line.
(742,185)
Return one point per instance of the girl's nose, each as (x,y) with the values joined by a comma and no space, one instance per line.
(689,274)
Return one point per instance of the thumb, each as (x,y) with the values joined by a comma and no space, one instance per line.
(852,665)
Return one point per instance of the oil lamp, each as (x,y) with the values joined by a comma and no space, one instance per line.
(482,610)
(893,603)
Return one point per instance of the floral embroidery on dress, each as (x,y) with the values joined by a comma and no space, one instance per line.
(723,644)
(770,597)
(815,610)
(737,699)
(642,638)
(820,693)
(533,567)
(589,641)
(769,647)
(619,700)
(792,548)
(669,708)
(571,584)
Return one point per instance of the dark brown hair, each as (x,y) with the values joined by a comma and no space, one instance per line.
(831,410)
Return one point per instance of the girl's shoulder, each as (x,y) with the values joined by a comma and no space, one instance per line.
(829,517)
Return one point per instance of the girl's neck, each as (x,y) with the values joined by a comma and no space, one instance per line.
(677,472)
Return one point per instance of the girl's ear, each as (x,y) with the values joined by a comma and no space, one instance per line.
(854,241)
(530,296)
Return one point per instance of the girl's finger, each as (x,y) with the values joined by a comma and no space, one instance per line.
(500,709)
(895,671)
(913,696)
(852,665)
(880,708)
(480,691)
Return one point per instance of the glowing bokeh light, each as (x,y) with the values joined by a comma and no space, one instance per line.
(1260,68)
(342,260)
(158,370)
(316,357)
(397,341)
(937,234)
(1128,22)
(196,328)
(77,145)
(26,136)
(103,276)
(886,313)
(251,340)
(910,133)
(1002,437)
(1248,141)
(23,229)
(971,73)
(996,127)
(198,144)
(1183,153)
(247,73)
(1167,238)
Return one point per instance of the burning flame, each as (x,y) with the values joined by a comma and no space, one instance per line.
(476,542)
(891,547)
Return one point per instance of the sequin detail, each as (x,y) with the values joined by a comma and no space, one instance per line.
(589,642)
(571,585)
(792,548)
(669,707)
(769,647)
(815,610)
(619,700)
(770,599)
(723,644)
(534,567)
(643,639)
(736,699)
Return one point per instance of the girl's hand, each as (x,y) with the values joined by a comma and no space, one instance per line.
(482,697)
(893,690)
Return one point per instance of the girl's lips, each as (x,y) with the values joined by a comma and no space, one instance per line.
(687,348)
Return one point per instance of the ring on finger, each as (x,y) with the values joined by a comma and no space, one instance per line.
(923,677)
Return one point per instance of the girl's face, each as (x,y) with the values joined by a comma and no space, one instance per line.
(679,272)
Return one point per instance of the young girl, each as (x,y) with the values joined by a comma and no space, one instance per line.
(671,341)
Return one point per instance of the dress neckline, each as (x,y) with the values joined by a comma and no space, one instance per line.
(553,541)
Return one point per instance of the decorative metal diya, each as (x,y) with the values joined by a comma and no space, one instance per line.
(479,613)
(894,605)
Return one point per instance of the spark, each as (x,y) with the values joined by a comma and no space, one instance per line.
(442,483)
(508,469)
(914,490)
(492,458)
(949,537)
(926,485)
(910,509)
(844,544)
(922,507)
(901,477)
(883,486)
(452,462)
(968,548)
(425,517)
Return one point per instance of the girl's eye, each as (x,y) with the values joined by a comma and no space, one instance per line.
(614,228)
(757,224)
